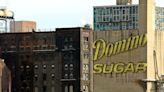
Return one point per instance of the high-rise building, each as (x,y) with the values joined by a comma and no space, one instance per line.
(116,17)
(123,17)
(23,26)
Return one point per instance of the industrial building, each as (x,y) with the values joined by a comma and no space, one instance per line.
(128,47)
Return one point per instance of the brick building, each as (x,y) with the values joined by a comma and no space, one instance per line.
(48,61)
(74,44)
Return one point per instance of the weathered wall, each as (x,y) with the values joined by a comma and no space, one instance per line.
(129,81)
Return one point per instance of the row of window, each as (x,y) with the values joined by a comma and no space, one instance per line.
(68,46)
(116,26)
(45,56)
(68,88)
(116,10)
(36,66)
(120,11)
(68,76)
(27,48)
(68,39)
(44,76)
(44,89)
(116,18)
(68,66)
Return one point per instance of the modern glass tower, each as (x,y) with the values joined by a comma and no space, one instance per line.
(123,17)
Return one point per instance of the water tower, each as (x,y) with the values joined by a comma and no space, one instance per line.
(124,2)
(6,17)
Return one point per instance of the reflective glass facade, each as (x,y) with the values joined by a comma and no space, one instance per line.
(122,17)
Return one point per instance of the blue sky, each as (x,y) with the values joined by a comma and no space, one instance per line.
(57,13)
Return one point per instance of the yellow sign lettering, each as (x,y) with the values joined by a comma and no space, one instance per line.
(97,45)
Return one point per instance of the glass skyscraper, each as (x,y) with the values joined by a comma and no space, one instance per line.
(122,17)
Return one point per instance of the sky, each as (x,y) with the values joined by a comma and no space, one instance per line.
(51,14)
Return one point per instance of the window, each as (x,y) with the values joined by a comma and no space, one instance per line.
(66,56)
(71,76)
(27,89)
(85,76)
(36,89)
(66,76)
(65,47)
(44,88)
(66,89)
(85,43)
(36,77)
(44,66)
(27,57)
(85,88)
(21,67)
(86,67)
(71,88)
(52,66)
(36,66)
(85,46)
(70,46)
(66,67)
(52,89)
(27,66)
(123,11)
(66,40)
(71,56)
(86,55)
(52,76)
(44,76)
(71,67)
(86,39)
(71,39)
